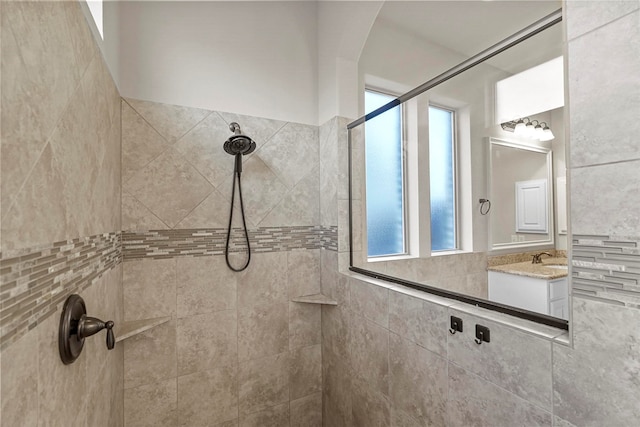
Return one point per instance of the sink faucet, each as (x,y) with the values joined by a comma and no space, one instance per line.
(537,258)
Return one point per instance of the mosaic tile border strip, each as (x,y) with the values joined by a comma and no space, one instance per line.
(35,283)
(160,244)
(607,268)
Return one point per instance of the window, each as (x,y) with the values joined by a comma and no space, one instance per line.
(384,179)
(96,11)
(386,200)
(442,179)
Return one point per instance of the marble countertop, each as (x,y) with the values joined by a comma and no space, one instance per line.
(539,271)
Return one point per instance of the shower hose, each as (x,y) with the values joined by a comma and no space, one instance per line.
(237,173)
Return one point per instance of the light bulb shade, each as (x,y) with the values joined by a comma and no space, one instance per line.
(519,128)
(529,130)
(538,132)
(547,135)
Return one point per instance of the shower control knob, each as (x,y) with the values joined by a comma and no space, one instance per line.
(88,326)
(75,326)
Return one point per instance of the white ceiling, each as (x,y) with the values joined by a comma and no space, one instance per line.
(469,27)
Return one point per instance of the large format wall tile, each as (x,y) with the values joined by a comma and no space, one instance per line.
(262,190)
(336,390)
(60,134)
(205,285)
(592,382)
(303,272)
(587,15)
(213,212)
(300,206)
(274,416)
(515,361)
(171,121)
(474,401)
(305,325)
(207,396)
(419,321)
(39,76)
(369,406)
(19,382)
(592,101)
(163,145)
(369,351)
(307,411)
(57,382)
(263,330)
(305,376)
(370,302)
(136,216)
(34,219)
(263,383)
(152,405)
(60,158)
(292,153)
(151,356)
(140,142)
(207,340)
(149,289)
(418,381)
(265,281)
(169,186)
(84,47)
(603,199)
(203,148)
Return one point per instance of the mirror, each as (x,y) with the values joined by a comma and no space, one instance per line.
(418,170)
(521,195)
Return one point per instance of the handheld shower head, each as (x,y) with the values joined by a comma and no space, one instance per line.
(238,143)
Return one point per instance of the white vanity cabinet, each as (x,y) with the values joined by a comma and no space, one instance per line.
(540,295)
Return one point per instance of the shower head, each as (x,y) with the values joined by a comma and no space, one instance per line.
(238,143)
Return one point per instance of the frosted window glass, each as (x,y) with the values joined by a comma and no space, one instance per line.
(441,177)
(384,181)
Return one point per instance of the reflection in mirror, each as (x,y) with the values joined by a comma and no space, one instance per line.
(418,170)
(520,191)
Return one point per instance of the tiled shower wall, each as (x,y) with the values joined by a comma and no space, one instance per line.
(387,356)
(60,216)
(236,351)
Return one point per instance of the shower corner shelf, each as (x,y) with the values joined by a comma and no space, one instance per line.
(315,299)
(135,327)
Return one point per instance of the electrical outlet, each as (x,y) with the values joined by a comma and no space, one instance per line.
(514,238)
(520,238)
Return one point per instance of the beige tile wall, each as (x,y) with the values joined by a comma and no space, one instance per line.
(237,351)
(388,359)
(60,128)
(175,173)
(400,366)
(60,180)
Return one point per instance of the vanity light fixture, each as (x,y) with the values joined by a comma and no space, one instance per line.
(547,135)
(519,128)
(529,130)
(526,128)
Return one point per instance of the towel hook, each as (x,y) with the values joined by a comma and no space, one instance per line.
(483,203)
